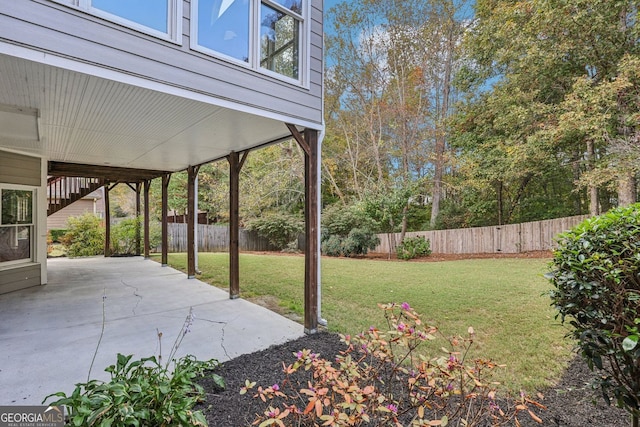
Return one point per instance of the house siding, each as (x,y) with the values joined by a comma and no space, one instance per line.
(56,29)
(14,279)
(19,169)
(58,220)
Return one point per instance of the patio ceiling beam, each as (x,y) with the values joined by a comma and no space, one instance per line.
(105,172)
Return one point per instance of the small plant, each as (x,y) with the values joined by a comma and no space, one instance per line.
(413,247)
(595,273)
(381,379)
(84,236)
(140,393)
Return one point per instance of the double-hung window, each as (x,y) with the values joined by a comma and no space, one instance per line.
(266,35)
(16,224)
(159,18)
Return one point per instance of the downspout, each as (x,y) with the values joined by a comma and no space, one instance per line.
(321,321)
(195,224)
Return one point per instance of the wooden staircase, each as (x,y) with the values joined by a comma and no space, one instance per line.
(63,191)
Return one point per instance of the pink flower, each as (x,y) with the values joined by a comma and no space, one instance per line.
(405,306)
(401,327)
(299,355)
(275,387)
(393,408)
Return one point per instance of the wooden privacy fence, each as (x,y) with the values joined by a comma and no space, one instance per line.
(215,238)
(510,239)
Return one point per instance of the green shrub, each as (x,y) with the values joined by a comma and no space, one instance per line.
(140,393)
(332,246)
(84,236)
(359,242)
(278,228)
(413,247)
(340,220)
(56,234)
(347,231)
(595,272)
(124,233)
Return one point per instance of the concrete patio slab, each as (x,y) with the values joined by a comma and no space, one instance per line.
(48,334)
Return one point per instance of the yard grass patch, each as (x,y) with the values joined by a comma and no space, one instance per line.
(503,299)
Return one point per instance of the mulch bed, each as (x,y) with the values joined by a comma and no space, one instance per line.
(571,403)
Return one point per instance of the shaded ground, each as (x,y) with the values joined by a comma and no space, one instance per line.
(570,403)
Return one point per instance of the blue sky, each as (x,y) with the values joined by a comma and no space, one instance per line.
(330,3)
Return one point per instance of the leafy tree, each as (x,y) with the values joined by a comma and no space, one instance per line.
(556,56)
(595,274)
(389,93)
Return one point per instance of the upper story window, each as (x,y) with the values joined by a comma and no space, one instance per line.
(262,34)
(159,18)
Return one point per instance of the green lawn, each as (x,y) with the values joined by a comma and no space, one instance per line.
(501,298)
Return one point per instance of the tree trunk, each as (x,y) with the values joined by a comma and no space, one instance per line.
(441,130)
(627,193)
(500,203)
(594,207)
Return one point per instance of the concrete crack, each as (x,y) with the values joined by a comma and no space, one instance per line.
(135,293)
(224,325)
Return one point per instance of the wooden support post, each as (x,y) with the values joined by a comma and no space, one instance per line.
(147,244)
(308,141)
(192,173)
(107,221)
(138,234)
(311,232)
(165,209)
(235,166)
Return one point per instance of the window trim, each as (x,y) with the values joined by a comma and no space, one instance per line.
(174,19)
(32,225)
(304,42)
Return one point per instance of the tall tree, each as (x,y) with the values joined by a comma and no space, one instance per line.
(562,55)
(390,91)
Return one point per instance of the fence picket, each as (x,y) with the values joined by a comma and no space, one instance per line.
(512,238)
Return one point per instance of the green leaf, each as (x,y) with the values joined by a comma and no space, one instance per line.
(630,342)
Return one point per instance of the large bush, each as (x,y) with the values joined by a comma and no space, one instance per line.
(84,236)
(278,228)
(596,275)
(347,231)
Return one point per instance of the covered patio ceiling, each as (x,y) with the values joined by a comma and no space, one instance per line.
(70,117)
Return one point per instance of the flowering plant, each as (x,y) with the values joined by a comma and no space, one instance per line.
(381,379)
